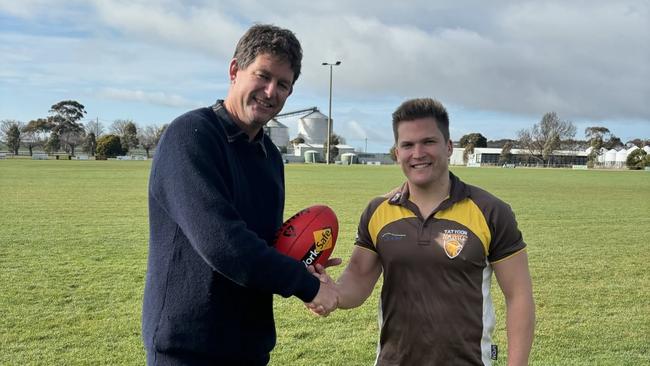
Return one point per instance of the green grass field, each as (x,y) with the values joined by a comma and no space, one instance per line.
(73,245)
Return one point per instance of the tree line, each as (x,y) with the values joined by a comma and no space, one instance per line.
(63,131)
(552,134)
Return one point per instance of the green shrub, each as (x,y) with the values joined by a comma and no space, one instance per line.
(109,146)
(637,159)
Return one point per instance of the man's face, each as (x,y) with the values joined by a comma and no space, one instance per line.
(258,92)
(422,152)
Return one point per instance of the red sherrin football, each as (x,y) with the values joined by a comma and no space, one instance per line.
(309,236)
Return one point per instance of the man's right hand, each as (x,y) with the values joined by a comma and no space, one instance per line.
(326,300)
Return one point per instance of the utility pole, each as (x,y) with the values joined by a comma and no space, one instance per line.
(329,115)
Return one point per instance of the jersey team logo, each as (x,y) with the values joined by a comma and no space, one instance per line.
(453,241)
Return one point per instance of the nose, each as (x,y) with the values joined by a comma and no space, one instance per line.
(270,89)
(418,151)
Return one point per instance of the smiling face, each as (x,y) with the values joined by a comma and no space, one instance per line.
(258,92)
(423,152)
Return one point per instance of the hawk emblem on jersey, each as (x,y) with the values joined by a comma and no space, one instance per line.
(453,242)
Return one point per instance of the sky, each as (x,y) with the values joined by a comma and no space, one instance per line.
(498,66)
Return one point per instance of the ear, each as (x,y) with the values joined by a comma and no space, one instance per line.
(450,148)
(232,70)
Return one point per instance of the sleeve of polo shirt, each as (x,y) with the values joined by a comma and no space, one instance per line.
(188,183)
(506,237)
(363,238)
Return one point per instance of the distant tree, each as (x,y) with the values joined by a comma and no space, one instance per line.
(127,131)
(6,125)
(471,141)
(501,143)
(544,138)
(613,143)
(36,132)
(109,146)
(637,159)
(475,138)
(298,140)
(575,145)
(95,127)
(597,135)
(600,137)
(53,143)
(149,137)
(118,127)
(506,153)
(130,138)
(65,121)
(11,133)
(13,138)
(90,144)
(71,139)
(334,151)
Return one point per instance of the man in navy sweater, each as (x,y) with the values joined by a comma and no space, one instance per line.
(216,200)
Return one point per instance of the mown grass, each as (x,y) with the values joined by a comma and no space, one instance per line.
(73,244)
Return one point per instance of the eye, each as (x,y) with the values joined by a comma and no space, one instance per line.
(284,86)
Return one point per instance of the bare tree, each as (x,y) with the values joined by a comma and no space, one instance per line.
(71,139)
(546,136)
(36,132)
(5,126)
(149,137)
(118,127)
(127,130)
(95,127)
(90,144)
(506,153)
(11,130)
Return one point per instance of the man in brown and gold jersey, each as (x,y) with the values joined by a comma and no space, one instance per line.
(437,241)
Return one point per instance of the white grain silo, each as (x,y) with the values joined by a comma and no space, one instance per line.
(610,157)
(621,156)
(278,133)
(313,128)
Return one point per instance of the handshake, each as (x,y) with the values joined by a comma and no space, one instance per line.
(328,296)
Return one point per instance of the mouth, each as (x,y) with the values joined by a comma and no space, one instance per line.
(263,103)
(420,165)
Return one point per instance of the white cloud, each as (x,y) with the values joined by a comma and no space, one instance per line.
(160,98)
(586,60)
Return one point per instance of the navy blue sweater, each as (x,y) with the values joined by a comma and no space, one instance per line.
(215,203)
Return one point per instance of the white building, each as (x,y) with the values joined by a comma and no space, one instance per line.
(278,133)
(313,128)
(492,156)
(301,149)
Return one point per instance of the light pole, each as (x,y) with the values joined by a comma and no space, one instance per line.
(329,115)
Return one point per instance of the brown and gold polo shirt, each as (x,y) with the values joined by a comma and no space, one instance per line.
(435,304)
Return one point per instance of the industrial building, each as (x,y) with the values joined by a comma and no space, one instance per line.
(484,156)
(309,144)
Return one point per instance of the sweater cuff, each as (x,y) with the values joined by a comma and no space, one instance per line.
(308,288)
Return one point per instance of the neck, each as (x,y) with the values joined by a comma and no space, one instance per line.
(249,129)
(427,198)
